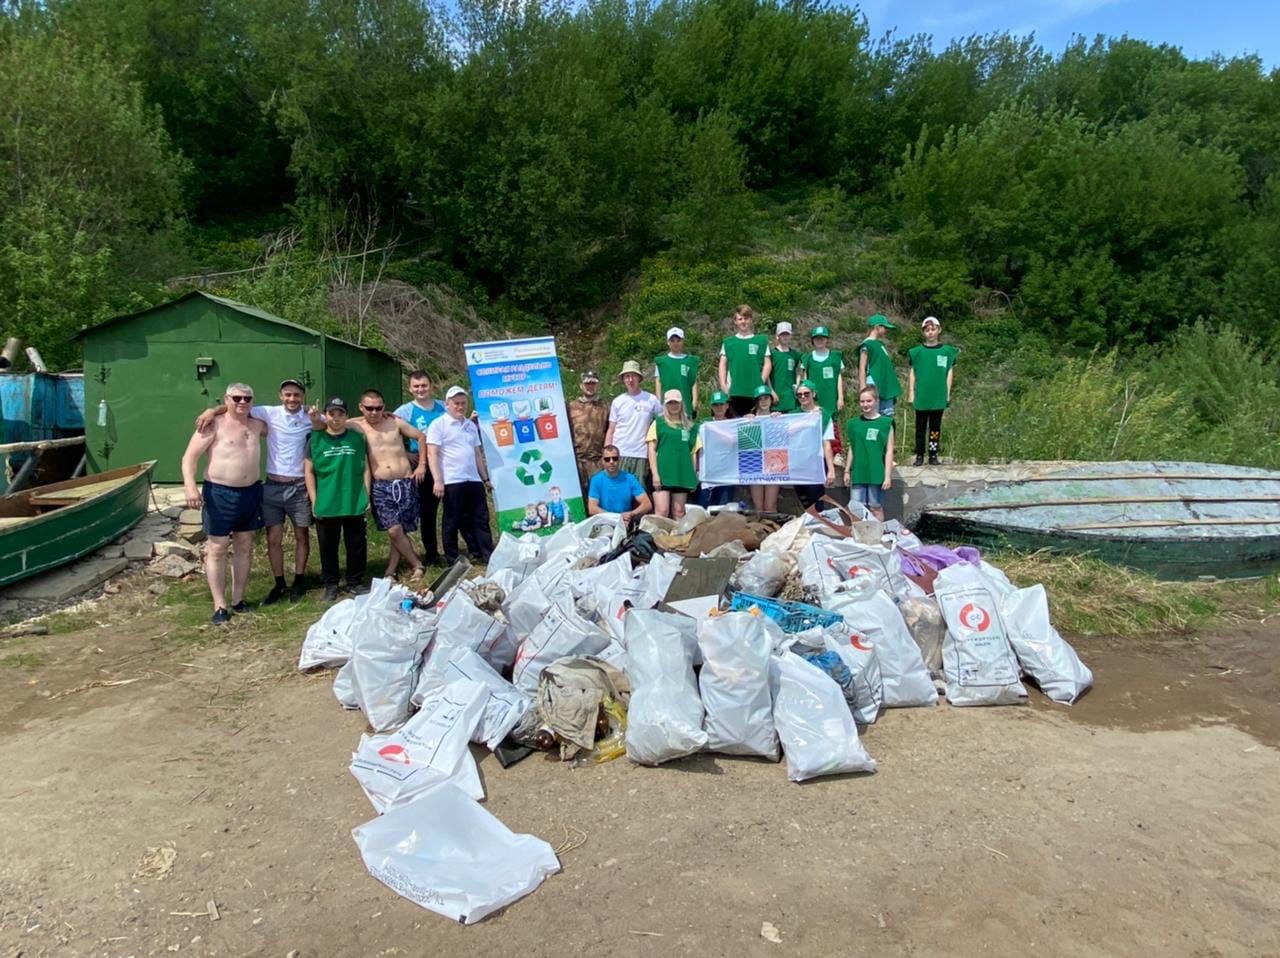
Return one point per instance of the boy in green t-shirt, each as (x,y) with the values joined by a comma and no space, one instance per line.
(336,471)
(933,367)
(785,362)
(744,362)
(875,368)
(868,467)
(677,370)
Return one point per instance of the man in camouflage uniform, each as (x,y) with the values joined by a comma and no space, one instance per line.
(588,420)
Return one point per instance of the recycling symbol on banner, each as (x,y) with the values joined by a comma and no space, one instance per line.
(527,473)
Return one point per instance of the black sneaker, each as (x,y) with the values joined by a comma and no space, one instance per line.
(355,587)
(275,595)
(331,593)
(297,590)
(933,461)
(242,607)
(433,559)
(221,617)
(919,461)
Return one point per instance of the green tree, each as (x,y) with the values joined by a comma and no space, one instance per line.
(710,214)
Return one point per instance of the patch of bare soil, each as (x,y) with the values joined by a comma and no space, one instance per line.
(1141,820)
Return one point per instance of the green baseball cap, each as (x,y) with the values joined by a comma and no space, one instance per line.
(763,390)
(879,320)
(807,384)
(719,399)
(820,331)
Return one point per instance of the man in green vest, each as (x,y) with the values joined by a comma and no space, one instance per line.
(786,364)
(338,478)
(677,370)
(744,362)
(875,368)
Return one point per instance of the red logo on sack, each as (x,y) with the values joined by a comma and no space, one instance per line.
(395,753)
(975,617)
(859,642)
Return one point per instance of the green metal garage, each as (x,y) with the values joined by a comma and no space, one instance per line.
(157,369)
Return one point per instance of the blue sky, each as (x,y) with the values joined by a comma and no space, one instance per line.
(1201,28)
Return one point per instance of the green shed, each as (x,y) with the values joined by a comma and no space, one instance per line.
(157,369)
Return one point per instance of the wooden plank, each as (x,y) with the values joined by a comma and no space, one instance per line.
(1098,501)
(70,496)
(41,444)
(1166,523)
(1093,477)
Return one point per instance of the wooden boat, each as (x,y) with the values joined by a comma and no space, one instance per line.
(48,526)
(1177,520)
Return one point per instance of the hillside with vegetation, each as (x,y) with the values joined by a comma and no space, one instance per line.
(1096,226)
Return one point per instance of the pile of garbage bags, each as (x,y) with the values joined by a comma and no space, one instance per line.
(567,644)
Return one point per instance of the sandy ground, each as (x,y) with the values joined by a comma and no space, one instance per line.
(1143,820)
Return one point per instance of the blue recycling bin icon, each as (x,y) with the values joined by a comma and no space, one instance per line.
(525,432)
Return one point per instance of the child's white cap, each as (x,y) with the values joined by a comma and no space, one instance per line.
(783,328)
(675,331)
(673,395)
(931,321)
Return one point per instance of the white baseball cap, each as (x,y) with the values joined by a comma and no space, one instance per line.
(783,328)
(930,321)
(455,391)
(675,331)
(673,395)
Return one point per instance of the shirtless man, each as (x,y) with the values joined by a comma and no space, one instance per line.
(395,481)
(231,497)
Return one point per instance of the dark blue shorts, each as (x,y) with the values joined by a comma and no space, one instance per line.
(229,509)
(395,503)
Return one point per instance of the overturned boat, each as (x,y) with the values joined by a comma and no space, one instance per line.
(1177,520)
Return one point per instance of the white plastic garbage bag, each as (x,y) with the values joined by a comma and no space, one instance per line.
(559,633)
(859,655)
(502,709)
(432,747)
(664,719)
(977,660)
(825,563)
(876,618)
(344,688)
(763,574)
(734,682)
(595,535)
(817,730)
(520,554)
(328,641)
(384,663)
(1043,653)
(461,623)
(451,856)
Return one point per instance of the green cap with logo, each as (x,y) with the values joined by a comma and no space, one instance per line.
(807,384)
(820,331)
(763,390)
(719,399)
(879,320)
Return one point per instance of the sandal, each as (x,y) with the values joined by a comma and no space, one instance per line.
(415,576)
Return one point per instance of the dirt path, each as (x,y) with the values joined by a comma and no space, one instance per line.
(1142,820)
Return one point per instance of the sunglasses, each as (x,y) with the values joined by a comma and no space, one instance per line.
(373,408)
(803,394)
(608,458)
(241,399)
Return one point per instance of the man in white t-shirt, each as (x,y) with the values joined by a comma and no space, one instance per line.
(629,417)
(461,476)
(285,492)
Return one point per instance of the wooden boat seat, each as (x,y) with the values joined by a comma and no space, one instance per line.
(69,497)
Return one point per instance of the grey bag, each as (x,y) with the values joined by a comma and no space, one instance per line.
(1042,652)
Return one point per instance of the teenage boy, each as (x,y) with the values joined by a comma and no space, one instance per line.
(420,412)
(785,363)
(588,422)
(875,368)
(745,362)
(615,491)
(677,370)
(933,367)
(629,417)
(869,466)
(231,496)
(284,494)
(457,462)
(394,492)
(824,367)
(338,481)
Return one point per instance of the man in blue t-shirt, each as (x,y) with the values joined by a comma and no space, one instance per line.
(612,490)
(420,413)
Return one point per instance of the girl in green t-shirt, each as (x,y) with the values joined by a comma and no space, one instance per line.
(868,468)
(673,447)
(764,497)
